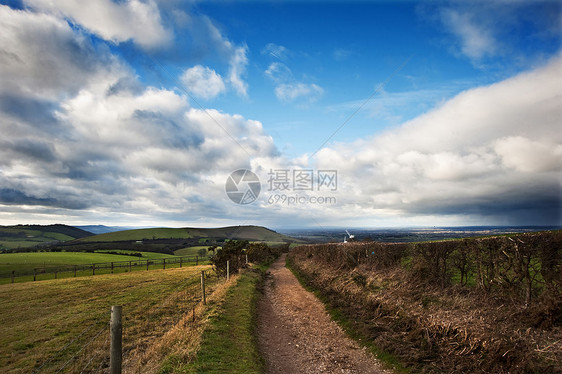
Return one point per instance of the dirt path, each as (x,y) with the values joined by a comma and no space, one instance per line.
(296,334)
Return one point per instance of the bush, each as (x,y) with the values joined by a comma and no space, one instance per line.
(232,251)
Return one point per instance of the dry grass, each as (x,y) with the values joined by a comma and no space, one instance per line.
(179,345)
(435,329)
(63,323)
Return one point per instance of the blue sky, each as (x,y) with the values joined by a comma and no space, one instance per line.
(135,112)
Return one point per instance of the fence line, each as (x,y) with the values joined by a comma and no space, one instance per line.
(101,266)
(175,294)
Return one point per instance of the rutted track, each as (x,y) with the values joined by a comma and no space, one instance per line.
(296,334)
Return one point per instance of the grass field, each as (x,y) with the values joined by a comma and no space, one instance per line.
(23,236)
(191,251)
(64,322)
(139,234)
(29,261)
(51,265)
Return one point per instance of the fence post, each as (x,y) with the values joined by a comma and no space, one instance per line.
(203,286)
(74,271)
(164,263)
(13,275)
(93,269)
(34,275)
(246,258)
(130,266)
(112,268)
(55,274)
(116,331)
(181,259)
(196,260)
(227,270)
(147,264)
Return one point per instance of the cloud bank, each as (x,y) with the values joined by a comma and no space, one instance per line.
(492,152)
(82,136)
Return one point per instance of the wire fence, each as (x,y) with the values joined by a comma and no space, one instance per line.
(144,322)
(67,271)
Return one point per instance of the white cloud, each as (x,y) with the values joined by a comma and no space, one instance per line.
(279,73)
(293,91)
(238,63)
(526,155)
(82,137)
(477,41)
(116,22)
(288,89)
(42,57)
(235,56)
(492,151)
(203,82)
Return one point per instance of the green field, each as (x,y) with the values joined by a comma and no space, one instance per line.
(23,236)
(28,238)
(252,233)
(192,251)
(56,322)
(139,234)
(145,255)
(29,261)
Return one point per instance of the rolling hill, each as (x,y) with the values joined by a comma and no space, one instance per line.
(24,236)
(203,235)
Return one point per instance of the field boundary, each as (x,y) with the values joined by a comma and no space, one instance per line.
(66,271)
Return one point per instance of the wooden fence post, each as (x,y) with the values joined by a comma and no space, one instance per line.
(112,268)
(13,275)
(116,331)
(93,269)
(181,259)
(164,263)
(196,260)
(34,275)
(203,287)
(227,270)
(74,271)
(246,258)
(55,274)
(146,264)
(130,265)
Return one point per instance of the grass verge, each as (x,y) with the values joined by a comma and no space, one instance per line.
(229,344)
(388,360)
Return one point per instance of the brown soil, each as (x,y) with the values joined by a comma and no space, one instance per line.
(296,334)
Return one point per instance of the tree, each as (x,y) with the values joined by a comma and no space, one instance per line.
(232,251)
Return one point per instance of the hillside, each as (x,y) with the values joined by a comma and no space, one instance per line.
(252,233)
(23,236)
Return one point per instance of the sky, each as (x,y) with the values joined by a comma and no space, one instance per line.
(354,114)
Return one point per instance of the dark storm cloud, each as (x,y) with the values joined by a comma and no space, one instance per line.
(38,113)
(12,196)
(537,206)
(37,150)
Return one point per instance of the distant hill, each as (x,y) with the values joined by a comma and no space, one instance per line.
(24,236)
(102,229)
(252,233)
